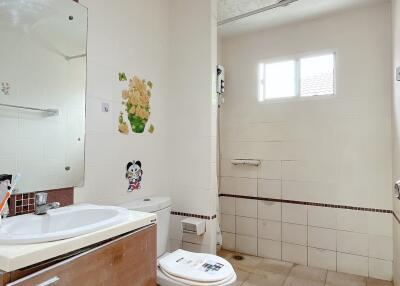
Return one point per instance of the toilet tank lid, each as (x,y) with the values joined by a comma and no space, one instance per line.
(151,204)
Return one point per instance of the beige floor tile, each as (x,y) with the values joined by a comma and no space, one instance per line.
(272,279)
(296,281)
(341,279)
(248,264)
(274,266)
(241,277)
(377,282)
(308,273)
(256,271)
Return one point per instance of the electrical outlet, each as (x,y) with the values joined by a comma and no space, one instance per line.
(105,107)
(5,88)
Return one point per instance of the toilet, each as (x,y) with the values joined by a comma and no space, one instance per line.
(182,268)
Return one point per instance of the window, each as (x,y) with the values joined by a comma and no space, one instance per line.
(298,77)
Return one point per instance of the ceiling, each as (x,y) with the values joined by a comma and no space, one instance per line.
(231,8)
(297,11)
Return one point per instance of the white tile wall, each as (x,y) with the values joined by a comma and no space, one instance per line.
(352,242)
(294,253)
(380,224)
(297,191)
(294,233)
(229,241)
(245,207)
(321,258)
(322,238)
(310,235)
(246,244)
(300,171)
(227,205)
(381,269)
(294,213)
(322,217)
(380,247)
(246,226)
(270,249)
(396,134)
(334,151)
(270,210)
(396,246)
(350,220)
(228,223)
(269,229)
(239,186)
(270,189)
(270,170)
(353,264)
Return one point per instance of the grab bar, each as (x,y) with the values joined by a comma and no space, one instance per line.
(50,112)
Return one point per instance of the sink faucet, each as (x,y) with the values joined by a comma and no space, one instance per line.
(41,205)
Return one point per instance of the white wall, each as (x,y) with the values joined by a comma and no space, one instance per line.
(396,135)
(123,38)
(329,150)
(192,113)
(171,44)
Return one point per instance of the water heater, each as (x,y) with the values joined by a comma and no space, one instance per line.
(220,80)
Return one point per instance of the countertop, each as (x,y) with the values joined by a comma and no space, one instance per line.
(13,257)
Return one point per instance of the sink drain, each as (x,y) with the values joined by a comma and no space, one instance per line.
(238,257)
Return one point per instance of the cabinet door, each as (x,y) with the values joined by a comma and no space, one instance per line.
(129,260)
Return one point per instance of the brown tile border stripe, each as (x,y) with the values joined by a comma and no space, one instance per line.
(309,203)
(25,203)
(194,215)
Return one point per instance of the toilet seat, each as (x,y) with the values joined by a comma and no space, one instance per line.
(176,281)
(195,269)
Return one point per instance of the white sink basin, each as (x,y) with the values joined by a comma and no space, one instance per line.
(60,223)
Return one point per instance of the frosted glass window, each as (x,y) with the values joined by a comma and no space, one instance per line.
(297,77)
(280,80)
(317,75)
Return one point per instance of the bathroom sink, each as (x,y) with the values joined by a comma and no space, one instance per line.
(60,223)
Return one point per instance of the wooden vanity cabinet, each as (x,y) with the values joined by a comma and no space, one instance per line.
(127,260)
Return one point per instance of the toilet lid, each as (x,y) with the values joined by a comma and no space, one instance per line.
(196,267)
(228,281)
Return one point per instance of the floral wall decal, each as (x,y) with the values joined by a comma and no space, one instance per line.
(122,76)
(134,175)
(151,128)
(136,104)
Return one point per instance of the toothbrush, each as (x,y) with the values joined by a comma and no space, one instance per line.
(10,190)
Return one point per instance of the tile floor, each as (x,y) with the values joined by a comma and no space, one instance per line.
(257,271)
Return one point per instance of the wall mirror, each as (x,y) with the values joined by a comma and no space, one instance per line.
(42,92)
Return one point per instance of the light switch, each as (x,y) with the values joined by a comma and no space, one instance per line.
(398,73)
(105,107)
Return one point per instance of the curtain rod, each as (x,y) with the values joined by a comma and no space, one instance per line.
(257,11)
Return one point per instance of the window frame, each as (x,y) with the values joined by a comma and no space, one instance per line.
(296,58)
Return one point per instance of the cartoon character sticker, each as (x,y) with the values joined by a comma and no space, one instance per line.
(134,175)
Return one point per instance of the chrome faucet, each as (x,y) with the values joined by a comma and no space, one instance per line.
(41,205)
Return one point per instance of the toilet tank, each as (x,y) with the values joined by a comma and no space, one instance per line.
(161,206)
